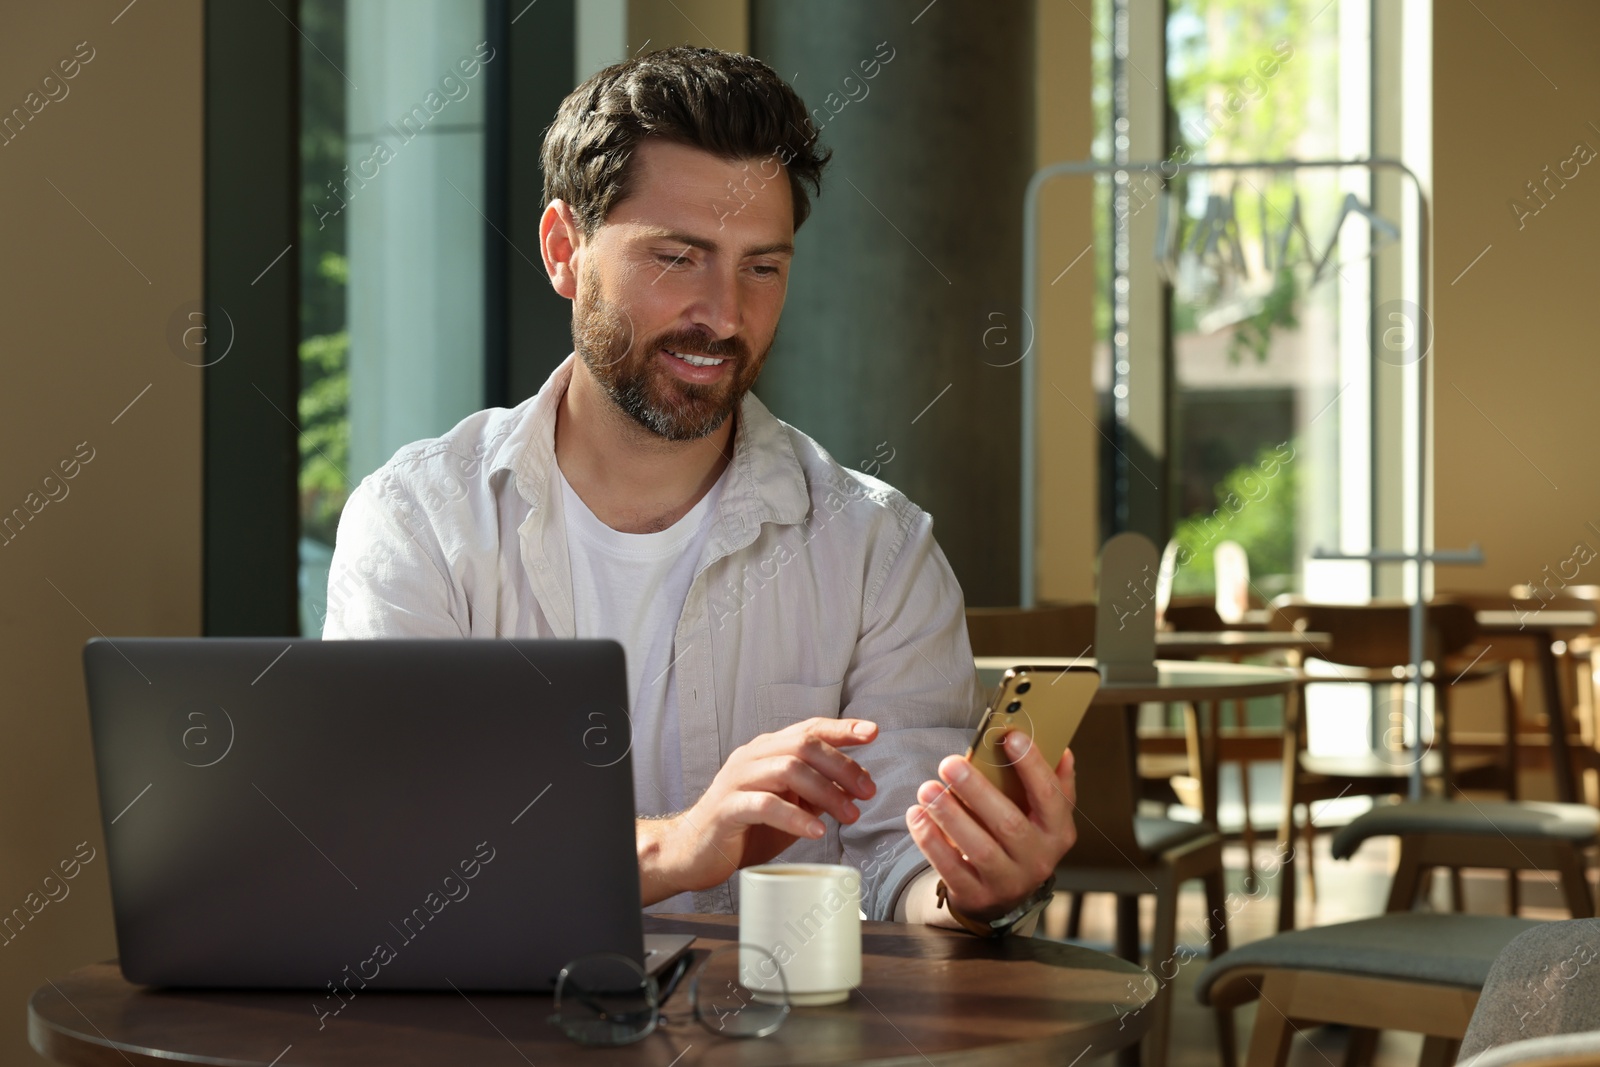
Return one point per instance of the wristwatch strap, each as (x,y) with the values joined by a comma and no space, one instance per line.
(1002,926)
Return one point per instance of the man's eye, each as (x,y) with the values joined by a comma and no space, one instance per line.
(669,260)
(767,272)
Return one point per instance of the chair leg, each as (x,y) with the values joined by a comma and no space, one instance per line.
(1513,718)
(1441,734)
(1248,828)
(1362,1047)
(1293,701)
(1308,834)
(1075,916)
(1438,1051)
(1128,927)
(1575,885)
(1163,964)
(1269,1041)
(1407,879)
(1217,911)
(1227,1038)
(1514,891)
(1458,895)
(1286,869)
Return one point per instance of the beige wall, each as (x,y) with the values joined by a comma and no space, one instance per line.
(82,332)
(1517,380)
(1516,377)
(1068,451)
(653,25)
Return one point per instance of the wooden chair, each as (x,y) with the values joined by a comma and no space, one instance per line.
(1577,661)
(1371,643)
(1048,630)
(1121,852)
(1205,614)
(1417,972)
(1511,835)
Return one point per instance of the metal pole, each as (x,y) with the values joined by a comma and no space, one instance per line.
(1030,376)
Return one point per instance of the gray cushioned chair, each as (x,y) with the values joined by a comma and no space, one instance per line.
(1541,999)
(1414,971)
(1510,835)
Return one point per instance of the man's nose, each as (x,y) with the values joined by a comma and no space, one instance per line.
(718,309)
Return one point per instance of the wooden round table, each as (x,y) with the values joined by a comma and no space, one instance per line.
(1183,644)
(927,996)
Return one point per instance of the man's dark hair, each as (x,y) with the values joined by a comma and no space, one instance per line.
(730,105)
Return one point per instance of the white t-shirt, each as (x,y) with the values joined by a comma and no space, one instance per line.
(631,588)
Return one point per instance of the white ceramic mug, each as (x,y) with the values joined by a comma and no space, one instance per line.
(808,915)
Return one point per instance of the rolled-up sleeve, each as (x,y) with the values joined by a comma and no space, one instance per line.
(388,577)
(913,675)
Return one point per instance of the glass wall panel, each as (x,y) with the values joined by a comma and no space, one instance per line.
(392,252)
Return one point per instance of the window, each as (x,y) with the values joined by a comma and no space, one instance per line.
(1233,309)
(392,245)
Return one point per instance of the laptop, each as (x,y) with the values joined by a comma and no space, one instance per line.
(337,815)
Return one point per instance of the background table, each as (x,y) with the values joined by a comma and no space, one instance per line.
(927,995)
(1545,626)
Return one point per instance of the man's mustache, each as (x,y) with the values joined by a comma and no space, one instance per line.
(727,348)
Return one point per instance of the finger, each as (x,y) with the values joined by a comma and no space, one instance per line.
(755,808)
(810,741)
(1002,819)
(1067,778)
(837,731)
(793,774)
(967,834)
(1047,803)
(959,876)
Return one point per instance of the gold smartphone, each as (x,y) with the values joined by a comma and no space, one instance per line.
(1047,704)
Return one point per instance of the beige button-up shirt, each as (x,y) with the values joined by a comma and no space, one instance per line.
(820,592)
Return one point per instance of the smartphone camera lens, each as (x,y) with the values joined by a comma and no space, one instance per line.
(1013,707)
(1023,687)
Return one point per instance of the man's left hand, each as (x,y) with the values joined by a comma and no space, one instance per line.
(991,854)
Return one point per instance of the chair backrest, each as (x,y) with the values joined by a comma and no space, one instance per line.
(1193,614)
(1166,574)
(1106,801)
(1125,623)
(1378,634)
(1545,982)
(1048,630)
(1231,564)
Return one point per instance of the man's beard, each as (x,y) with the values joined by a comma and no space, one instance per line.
(651,395)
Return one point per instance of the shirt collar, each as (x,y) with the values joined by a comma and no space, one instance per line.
(766,483)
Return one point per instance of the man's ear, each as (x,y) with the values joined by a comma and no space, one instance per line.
(559,240)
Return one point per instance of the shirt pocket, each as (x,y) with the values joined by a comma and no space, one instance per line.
(780,704)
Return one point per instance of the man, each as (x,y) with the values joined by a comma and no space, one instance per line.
(796,643)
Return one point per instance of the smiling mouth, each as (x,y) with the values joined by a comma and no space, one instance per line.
(695,360)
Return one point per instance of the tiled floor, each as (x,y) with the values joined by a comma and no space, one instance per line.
(1346,890)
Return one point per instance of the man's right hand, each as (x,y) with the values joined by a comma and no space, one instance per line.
(768,794)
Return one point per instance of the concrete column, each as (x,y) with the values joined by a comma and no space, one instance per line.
(900,344)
